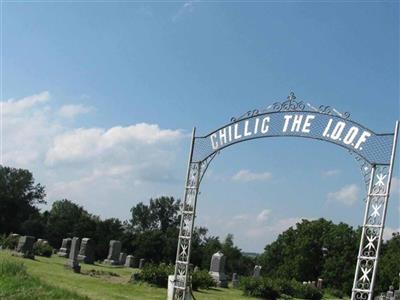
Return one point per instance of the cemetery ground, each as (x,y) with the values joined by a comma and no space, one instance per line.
(95,282)
(48,279)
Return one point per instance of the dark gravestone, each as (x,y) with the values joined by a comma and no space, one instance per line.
(86,252)
(122,258)
(113,253)
(25,247)
(130,262)
(65,247)
(141,263)
(73,255)
(217,269)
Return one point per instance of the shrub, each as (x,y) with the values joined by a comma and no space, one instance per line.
(286,287)
(42,249)
(259,287)
(9,241)
(156,274)
(306,291)
(335,292)
(202,280)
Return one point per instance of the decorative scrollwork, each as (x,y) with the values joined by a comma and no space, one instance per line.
(248,114)
(291,104)
(365,169)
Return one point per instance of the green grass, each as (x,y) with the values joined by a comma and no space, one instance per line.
(16,283)
(47,278)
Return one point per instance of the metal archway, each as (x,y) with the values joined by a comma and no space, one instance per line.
(375,153)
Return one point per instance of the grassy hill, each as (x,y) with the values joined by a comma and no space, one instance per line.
(47,278)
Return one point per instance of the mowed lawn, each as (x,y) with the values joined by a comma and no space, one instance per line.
(105,282)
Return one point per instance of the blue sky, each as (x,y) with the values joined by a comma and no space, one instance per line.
(99,99)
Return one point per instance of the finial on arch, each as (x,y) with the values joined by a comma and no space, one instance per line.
(291,96)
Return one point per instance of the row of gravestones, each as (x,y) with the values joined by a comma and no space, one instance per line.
(391,294)
(217,271)
(78,251)
(25,246)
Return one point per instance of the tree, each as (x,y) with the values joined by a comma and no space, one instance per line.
(19,196)
(154,229)
(311,250)
(389,264)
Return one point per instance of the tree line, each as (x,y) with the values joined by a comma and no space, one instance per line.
(311,250)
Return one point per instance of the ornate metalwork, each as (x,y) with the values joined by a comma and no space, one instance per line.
(377,173)
(372,230)
(292,105)
(365,169)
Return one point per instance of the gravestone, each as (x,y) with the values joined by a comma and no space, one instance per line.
(142,261)
(65,247)
(217,269)
(257,271)
(235,280)
(73,262)
(130,262)
(196,269)
(25,247)
(390,293)
(113,253)
(122,258)
(42,241)
(397,295)
(86,252)
(319,283)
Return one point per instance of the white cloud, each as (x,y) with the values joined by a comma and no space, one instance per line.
(91,166)
(82,144)
(270,232)
(388,232)
(186,8)
(330,173)
(13,106)
(263,215)
(347,195)
(246,176)
(70,111)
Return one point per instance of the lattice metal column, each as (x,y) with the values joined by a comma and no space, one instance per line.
(188,210)
(372,230)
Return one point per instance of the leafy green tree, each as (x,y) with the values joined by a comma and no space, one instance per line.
(314,249)
(65,218)
(341,243)
(389,264)
(19,196)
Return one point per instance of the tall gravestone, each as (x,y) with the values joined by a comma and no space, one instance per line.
(25,247)
(235,280)
(73,262)
(65,247)
(113,253)
(217,269)
(257,271)
(141,263)
(122,258)
(130,262)
(86,252)
(320,283)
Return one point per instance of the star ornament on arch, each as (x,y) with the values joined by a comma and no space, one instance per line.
(380,178)
(365,272)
